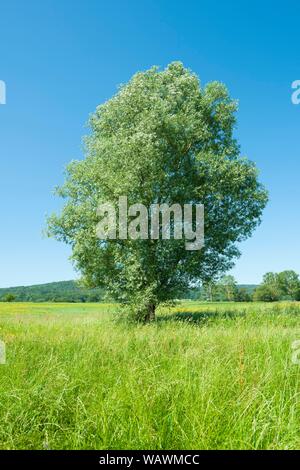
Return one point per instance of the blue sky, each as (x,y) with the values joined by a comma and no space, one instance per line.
(60,59)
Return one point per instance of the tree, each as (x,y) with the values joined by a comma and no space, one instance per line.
(162,138)
(242,295)
(289,284)
(278,286)
(225,289)
(228,287)
(264,293)
(210,291)
(268,290)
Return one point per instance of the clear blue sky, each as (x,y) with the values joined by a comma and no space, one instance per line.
(61,58)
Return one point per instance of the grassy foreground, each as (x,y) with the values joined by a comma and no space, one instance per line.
(202,377)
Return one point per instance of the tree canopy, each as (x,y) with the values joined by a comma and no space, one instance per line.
(162,138)
(278,286)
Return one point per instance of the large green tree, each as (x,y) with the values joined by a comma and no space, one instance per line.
(162,138)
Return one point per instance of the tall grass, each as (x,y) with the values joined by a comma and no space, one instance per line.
(201,377)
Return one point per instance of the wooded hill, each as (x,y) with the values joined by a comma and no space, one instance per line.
(70,291)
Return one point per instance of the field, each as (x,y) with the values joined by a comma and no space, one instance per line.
(204,376)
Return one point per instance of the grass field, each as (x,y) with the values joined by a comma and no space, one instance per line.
(217,376)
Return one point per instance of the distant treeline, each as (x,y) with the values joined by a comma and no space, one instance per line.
(64,291)
(274,287)
(224,290)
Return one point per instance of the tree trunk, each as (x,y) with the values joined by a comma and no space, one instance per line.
(150,316)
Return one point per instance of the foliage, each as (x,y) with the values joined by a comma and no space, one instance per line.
(289,285)
(8,298)
(278,286)
(226,289)
(243,294)
(223,379)
(162,138)
(65,291)
(72,291)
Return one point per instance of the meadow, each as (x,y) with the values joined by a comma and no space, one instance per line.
(203,376)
